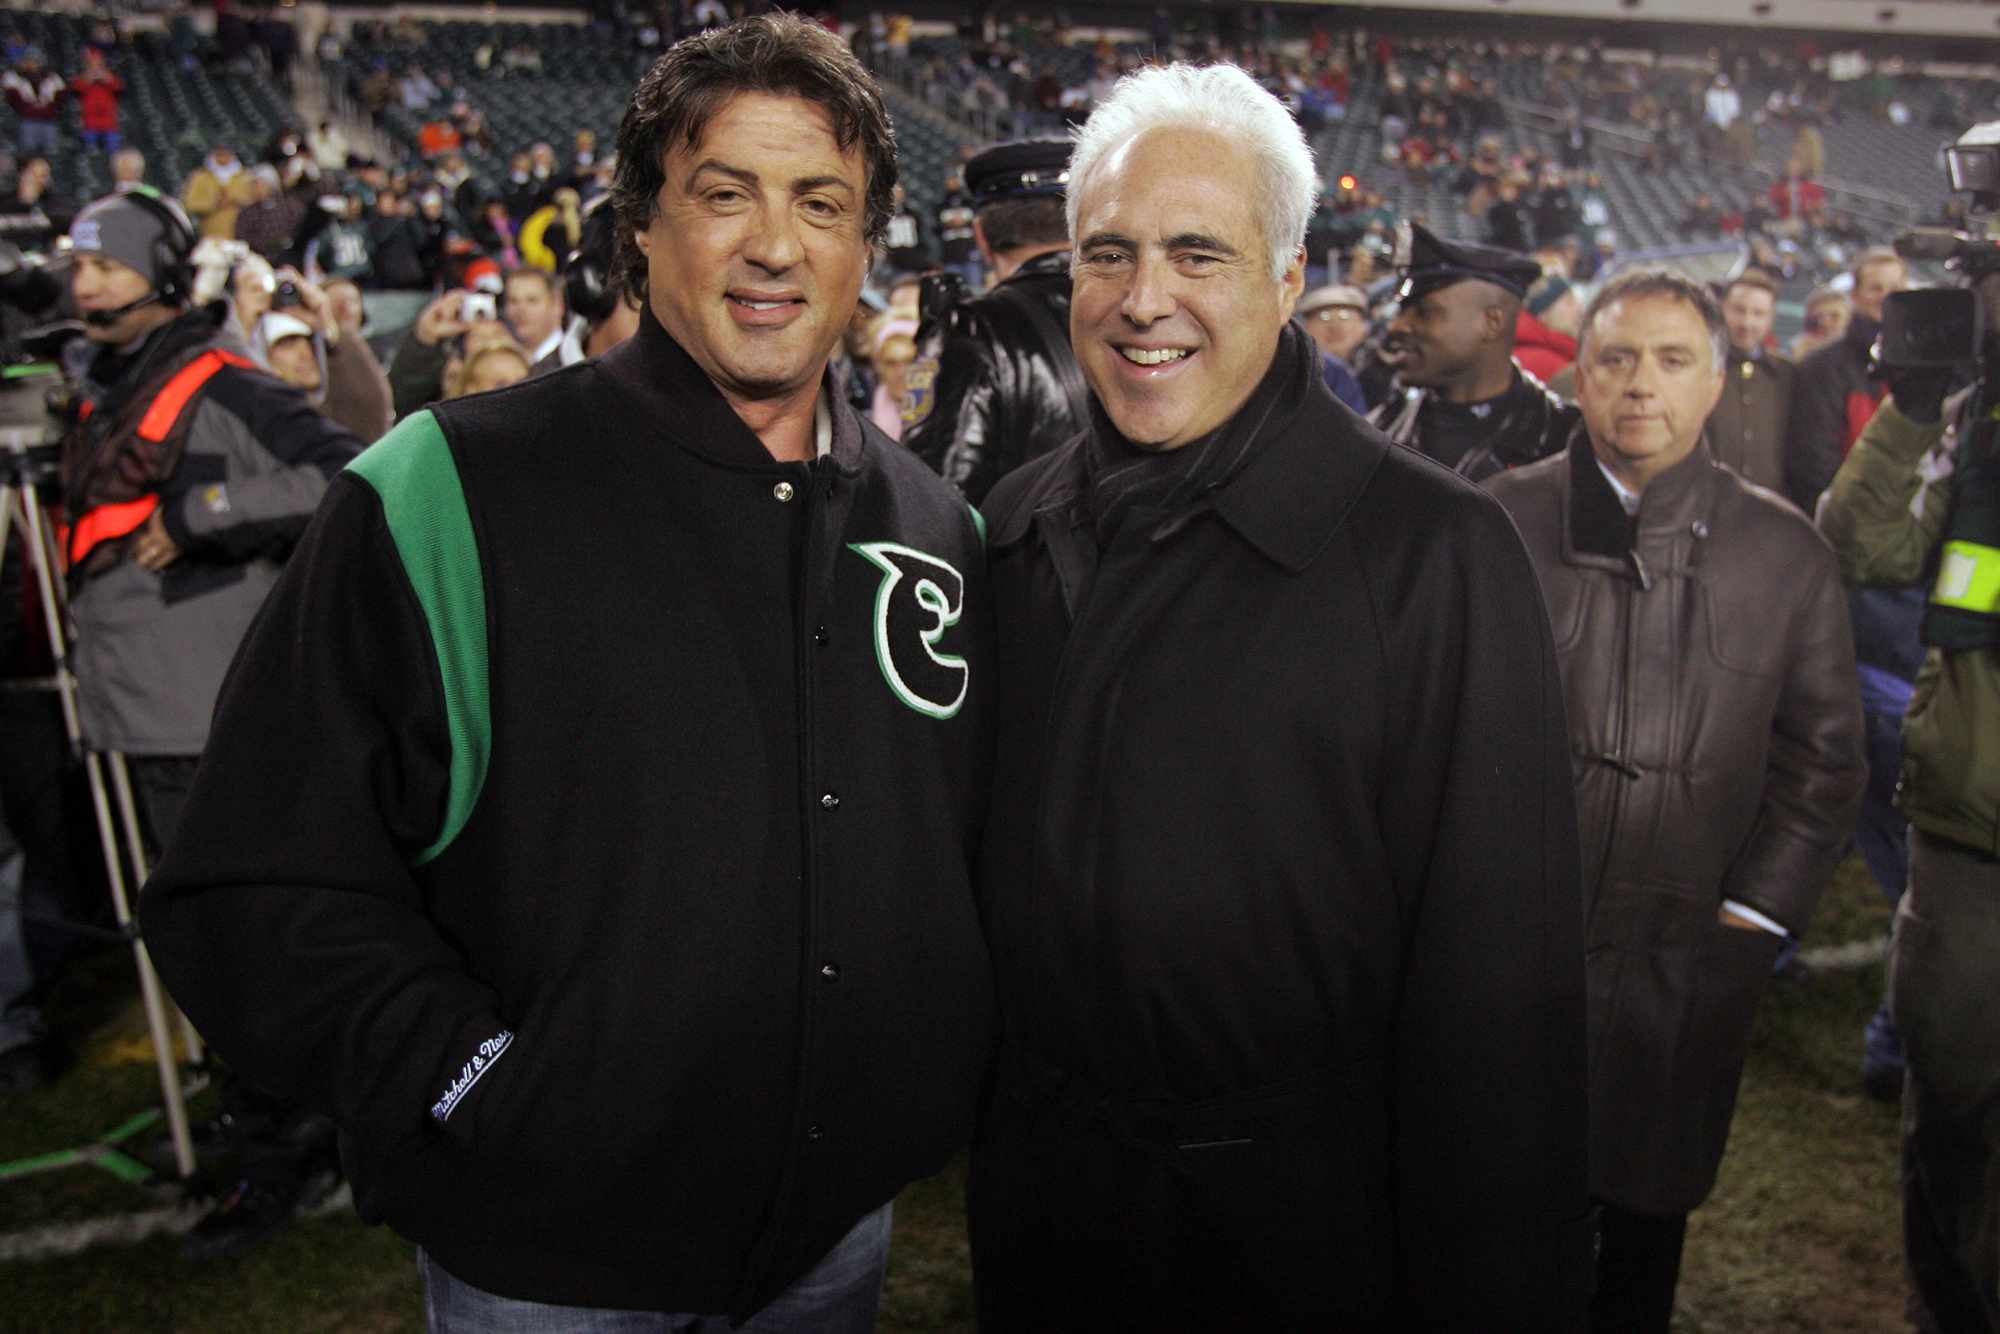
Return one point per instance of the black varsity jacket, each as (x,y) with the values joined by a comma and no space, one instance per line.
(587,827)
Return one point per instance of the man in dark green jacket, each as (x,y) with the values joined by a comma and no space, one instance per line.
(1892,522)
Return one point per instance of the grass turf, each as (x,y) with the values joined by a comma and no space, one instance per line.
(1800,1235)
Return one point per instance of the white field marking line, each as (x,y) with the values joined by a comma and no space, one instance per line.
(1854,954)
(59,1239)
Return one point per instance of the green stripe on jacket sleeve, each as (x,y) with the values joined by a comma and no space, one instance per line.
(413,472)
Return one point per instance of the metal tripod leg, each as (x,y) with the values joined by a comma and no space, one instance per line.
(39,543)
(135,847)
(149,981)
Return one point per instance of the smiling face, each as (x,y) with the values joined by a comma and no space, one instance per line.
(756,254)
(1174,313)
(1646,381)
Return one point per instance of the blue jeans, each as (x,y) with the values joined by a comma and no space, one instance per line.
(838,1296)
(38,138)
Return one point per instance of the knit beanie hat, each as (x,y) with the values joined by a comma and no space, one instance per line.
(119,229)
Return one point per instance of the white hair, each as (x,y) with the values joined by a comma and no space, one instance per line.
(1224,101)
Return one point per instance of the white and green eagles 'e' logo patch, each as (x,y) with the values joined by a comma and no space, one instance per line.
(919,599)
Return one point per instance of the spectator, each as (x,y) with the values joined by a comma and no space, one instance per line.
(98,91)
(252,284)
(893,347)
(1835,398)
(521,192)
(533,310)
(416,90)
(552,231)
(1556,212)
(494,233)
(1337,319)
(1507,224)
(1574,150)
(217,191)
(1326,315)
(35,214)
(342,248)
(1545,333)
(128,169)
(905,245)
(327,142)
(1702,219)
(1708,671)
(1827,313)
(306,347)
(35,92)
(269,222)
(1748,428)
(396,261)
(490,359)
(958,248)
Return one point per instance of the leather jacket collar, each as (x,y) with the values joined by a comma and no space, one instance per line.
(1598,532)
(678,399)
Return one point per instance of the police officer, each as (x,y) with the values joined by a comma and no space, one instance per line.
(1464,402)
(995,383)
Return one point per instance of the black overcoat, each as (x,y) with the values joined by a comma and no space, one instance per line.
(1284,800)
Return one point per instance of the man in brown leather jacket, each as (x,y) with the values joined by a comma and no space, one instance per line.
(1716,735)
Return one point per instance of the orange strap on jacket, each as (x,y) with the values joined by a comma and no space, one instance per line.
(107,522)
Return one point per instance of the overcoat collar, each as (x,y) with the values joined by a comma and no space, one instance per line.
(1287,502)
(654,368)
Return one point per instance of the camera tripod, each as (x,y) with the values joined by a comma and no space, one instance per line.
(21,452)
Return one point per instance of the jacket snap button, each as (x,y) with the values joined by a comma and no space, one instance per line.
(783,491)
(1699,529)
(815,1133)
(820,635)
(829,802)
(830,971)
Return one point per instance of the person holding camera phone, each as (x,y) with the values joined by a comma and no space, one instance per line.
(304,345)
(417,371)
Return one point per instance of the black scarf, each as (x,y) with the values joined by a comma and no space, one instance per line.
(1124,481)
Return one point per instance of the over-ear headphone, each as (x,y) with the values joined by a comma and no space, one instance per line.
(588,287)
(173,252)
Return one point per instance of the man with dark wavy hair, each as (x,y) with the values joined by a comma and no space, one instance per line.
(615,898)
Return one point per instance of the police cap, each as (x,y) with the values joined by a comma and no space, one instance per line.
(1436,263)
(1019,171)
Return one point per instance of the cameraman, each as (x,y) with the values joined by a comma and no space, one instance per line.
(1892,521)
(187,477)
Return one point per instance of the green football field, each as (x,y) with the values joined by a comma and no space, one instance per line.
(1800,1235)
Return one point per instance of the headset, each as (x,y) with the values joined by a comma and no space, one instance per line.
(588,286)
(173,256)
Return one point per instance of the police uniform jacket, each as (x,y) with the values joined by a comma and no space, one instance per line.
(1747,429)
(1715,730)
(1282,810)
(614,891)
(998,384)
(1528,423)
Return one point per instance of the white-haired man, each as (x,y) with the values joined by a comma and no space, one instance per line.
(1280,880)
